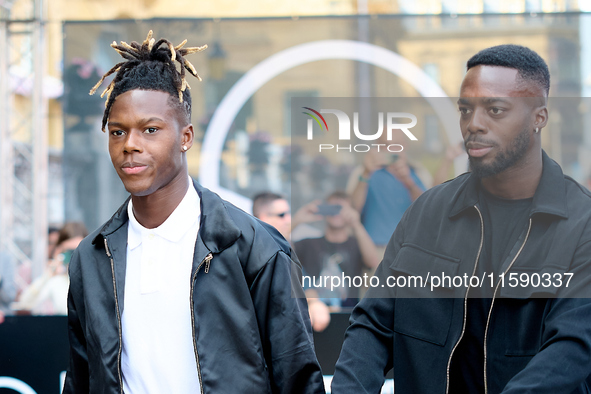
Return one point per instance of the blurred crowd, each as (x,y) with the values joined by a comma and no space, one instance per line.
(46,295)
(346,232)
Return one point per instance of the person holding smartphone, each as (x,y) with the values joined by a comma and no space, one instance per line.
(382,188)
(48,294)
(345,249)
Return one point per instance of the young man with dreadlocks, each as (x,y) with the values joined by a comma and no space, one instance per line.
(180,291)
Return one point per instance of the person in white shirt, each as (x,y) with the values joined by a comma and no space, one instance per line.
(180,291)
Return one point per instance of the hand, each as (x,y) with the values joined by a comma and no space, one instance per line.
(53,267)
(2,317)
(319,314)
(307,214)
(401,171)
(374,161)
(350,215)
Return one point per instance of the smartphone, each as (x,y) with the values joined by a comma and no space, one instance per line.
(66,256)
(329,209)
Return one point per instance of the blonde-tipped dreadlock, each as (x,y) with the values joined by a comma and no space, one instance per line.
(150,66)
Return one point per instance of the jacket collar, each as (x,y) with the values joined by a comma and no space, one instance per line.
(217,229)
(549,198)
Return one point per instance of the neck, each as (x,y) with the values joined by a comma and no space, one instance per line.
(336,235)
(153,210)
(517,182)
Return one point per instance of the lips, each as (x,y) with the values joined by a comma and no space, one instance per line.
(132,168)
(476,149)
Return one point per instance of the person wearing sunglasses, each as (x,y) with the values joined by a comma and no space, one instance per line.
(273,209)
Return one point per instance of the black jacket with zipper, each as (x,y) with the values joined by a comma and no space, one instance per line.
(251,330)
(537,338)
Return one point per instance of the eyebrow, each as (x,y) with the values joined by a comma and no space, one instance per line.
(485,100)
(491,100)
(142,121)
(114,124)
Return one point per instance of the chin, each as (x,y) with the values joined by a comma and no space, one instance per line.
(138,190)
(485,171)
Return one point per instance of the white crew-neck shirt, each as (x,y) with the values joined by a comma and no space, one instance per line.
(158,354)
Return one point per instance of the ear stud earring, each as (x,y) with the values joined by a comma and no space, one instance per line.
(537,130)
(184,148)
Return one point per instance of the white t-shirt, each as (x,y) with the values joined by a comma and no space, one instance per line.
(158,354)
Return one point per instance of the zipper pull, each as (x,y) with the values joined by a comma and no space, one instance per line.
(107,247)
(207,261)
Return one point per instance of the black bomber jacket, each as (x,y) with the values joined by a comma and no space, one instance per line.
(537,337)
(251,330)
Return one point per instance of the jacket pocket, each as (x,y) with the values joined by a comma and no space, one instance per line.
(422,310)
(428,274)
(426,319)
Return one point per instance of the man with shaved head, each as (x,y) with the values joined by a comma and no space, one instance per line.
(495,262)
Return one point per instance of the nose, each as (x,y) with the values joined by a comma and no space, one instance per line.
(132,142)
(476,124)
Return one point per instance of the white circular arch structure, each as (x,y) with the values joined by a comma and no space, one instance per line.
(221,121)
(19,386)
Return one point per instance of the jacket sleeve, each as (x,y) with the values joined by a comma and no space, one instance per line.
(77,376)
(366,355)
(564,360)
(286,332)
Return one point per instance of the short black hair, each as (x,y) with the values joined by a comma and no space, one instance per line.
(150,66)
(530,66)
(262,200)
